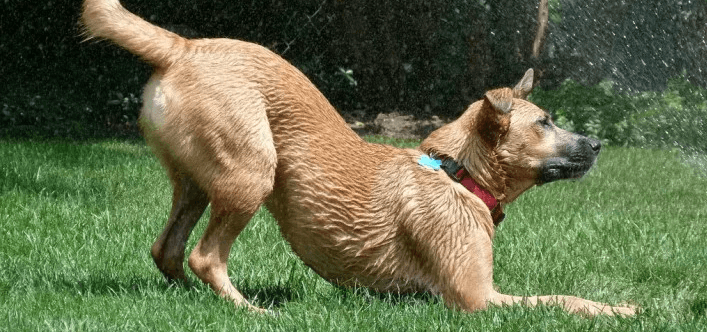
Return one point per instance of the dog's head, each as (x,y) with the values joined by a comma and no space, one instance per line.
(508,144)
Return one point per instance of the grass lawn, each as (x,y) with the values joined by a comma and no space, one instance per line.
(77,222)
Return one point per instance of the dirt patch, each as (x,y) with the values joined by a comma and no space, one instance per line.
(397,125)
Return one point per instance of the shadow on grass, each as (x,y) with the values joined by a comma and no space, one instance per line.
(412,298)
(276,296)
(269,296)
(116,285)
(699,307)
(97,284)
(265,294)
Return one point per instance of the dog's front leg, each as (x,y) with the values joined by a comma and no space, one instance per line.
(571,304)
(466,281)
(464,270)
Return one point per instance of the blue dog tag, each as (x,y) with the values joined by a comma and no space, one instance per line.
(428,162)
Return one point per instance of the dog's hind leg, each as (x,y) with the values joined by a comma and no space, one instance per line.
(209,258)
(241,194)
(188,204)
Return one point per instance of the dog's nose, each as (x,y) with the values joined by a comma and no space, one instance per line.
(595,144)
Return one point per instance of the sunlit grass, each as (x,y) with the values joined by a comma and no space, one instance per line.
(77,222)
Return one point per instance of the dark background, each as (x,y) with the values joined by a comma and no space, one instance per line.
(416,57)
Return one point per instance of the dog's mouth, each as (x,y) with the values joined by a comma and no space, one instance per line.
(574,161)
(559,168)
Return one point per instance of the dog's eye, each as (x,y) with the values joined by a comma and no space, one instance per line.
(545,122)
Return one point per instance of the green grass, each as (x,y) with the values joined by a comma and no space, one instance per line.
(77,222)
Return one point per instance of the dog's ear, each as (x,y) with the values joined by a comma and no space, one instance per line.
(487,119)
(500,99)
(525,86)
(494,120)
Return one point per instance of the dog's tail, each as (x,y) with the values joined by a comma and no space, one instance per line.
(108,19)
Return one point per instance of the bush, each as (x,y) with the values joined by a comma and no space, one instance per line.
(674,118)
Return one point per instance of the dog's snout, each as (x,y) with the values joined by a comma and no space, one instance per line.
(595,144)
(584,145)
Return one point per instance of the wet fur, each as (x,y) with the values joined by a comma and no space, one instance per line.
(236,126)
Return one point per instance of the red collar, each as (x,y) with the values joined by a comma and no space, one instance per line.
(470,184)
(459,174)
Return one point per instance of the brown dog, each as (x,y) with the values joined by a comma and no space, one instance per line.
(237,126)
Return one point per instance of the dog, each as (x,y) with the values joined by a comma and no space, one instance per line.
(236,126)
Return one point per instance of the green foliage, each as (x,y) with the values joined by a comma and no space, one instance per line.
(671,118)
(555,8)
(674,118)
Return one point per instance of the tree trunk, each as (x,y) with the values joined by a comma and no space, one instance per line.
(543,14)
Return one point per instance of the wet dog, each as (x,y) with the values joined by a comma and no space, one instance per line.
(236,126)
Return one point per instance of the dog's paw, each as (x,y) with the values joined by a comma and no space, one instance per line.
(624,310)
